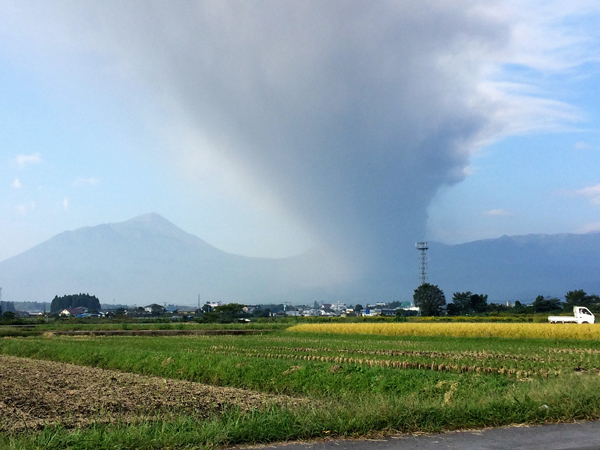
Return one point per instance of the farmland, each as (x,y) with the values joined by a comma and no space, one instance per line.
(285,385)
(505,330)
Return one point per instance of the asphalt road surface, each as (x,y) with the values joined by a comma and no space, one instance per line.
(571,436)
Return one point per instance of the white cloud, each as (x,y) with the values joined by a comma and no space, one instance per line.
(581,146)
(25,208)
(24,160)
(585,146)
(16,184)
(65,203)
(80,181)
(593,227)
(592,193)
(498,213)
(350,114)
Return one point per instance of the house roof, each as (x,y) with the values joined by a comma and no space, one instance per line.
(154,306)
(75,311)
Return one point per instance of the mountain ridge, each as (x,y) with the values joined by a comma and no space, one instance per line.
(148,259)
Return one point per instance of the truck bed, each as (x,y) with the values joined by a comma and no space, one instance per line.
(564,319)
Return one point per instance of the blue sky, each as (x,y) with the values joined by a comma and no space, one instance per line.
(536,182)
(496,112)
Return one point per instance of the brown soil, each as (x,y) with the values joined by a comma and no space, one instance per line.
(159,332)
(35,393)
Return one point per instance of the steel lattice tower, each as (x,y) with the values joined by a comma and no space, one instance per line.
(422,247)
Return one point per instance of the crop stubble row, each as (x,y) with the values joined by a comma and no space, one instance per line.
(395,364)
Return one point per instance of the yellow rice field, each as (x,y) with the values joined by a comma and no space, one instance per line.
(507,330)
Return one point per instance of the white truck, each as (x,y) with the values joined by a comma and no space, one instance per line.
(582,315)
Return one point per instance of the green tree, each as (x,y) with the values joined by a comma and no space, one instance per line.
(452,310)
(430,299)
(229,312)
(88,301)
(8,315)
(262,312)
(575,298)
(461,303)
(543,304)
(593,300)
(478,303)
(579,298)
(358,308)
(496,307)
(230,309)
(467,303)
(520,308)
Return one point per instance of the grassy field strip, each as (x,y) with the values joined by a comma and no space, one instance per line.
(505,330)
(536,358)
(360,382)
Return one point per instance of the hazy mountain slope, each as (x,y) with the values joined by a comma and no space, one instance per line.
(518,267)
(148,259)
(144,260)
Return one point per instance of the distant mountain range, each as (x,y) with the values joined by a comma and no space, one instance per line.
(148,259)
(144,260)
(519,267)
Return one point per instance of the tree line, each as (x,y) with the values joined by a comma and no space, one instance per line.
(230,312)
(88,301)
(432,302)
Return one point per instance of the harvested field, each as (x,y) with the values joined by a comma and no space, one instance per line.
(36,393)
(339,385)
(159,332)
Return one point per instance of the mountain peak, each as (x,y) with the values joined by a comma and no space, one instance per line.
(152,223)
(148,218)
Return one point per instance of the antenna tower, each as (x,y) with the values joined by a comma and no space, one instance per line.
(422,247)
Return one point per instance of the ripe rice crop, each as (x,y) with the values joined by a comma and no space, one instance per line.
(505,330)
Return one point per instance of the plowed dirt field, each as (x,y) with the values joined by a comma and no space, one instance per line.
(35,393)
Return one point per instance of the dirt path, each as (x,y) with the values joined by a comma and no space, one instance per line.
(34,393)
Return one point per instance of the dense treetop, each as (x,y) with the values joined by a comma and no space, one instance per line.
(430,299)
(88,301)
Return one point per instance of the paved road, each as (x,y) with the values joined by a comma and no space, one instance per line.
(570,436)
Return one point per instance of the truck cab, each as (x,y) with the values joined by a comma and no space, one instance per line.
(583,314)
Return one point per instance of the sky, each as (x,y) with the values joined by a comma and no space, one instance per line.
(267,128)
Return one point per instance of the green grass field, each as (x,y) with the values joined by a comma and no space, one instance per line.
(31,330)
(356,385)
